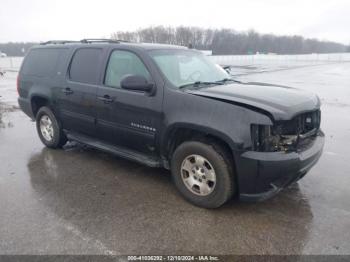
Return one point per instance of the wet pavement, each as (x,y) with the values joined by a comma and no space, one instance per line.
(81,201)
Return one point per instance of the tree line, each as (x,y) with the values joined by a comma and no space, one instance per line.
(220,41)
(229,41)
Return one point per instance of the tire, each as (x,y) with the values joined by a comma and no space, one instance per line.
(211,191)
(49,129)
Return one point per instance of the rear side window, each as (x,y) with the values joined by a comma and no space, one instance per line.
(85,64)
(122,63)
(42,62)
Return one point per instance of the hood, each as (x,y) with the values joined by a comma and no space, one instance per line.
(282,102)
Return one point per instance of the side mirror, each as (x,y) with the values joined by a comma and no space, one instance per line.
(136,82)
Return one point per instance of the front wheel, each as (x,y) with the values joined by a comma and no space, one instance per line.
(203,174)
(49,130)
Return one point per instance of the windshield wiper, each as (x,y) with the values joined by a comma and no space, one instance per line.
(225,80)
(199,83)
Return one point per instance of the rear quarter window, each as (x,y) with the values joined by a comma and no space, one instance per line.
(85,65)
(42,62)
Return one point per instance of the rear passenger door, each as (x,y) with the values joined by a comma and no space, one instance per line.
(127,118)
(78,95)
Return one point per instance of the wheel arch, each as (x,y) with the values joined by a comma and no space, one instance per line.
(181,132)
(37,101)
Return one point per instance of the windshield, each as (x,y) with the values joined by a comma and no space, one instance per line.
(185,67)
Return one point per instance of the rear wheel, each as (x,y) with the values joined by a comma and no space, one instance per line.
(49,129)
(202,172)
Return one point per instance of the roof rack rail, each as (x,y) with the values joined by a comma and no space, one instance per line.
(55,42)
(92,40)
(84,41)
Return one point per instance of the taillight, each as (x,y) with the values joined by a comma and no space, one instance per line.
(18,84)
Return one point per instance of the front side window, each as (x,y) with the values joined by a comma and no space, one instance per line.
(122,63)
(183,67)
(84,67)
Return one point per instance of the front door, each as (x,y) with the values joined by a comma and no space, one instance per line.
(127,118)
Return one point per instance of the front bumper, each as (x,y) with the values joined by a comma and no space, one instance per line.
(264,174)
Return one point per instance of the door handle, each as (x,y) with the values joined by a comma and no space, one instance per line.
(106,99)
(67,91)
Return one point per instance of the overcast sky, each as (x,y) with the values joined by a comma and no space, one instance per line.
(41,20)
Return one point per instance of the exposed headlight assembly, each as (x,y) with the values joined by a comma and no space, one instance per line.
(286,135)
(266,138)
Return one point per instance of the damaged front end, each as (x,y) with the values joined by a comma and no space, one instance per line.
(280,155)
(286,136)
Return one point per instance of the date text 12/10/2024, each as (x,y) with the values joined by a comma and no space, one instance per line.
(173,258)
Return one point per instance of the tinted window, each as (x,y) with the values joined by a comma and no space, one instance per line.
(122,63)
(42,62)
(84,67)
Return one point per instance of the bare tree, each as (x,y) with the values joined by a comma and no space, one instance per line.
(229,41)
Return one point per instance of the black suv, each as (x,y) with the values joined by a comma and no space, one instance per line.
(172,107)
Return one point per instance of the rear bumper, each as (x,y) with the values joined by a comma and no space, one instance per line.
(26,107)
(268,173)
